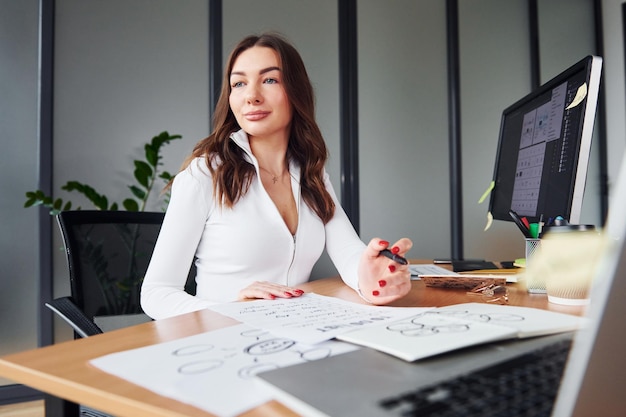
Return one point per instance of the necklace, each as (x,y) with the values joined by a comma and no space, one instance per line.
(275,178)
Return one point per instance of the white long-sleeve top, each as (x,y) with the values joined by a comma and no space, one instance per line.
(237,246)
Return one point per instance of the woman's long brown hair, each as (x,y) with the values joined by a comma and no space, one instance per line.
(232,175)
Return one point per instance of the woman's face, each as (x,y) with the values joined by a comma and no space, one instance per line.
(257,97)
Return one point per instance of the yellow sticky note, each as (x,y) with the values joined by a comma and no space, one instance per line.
(487,192)
(489,221)
(580,96)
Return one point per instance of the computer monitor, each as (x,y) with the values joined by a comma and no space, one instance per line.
(544,147)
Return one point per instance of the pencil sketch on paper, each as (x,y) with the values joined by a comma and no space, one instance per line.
(209,369)
(256,356)
(459,326)
(421,325)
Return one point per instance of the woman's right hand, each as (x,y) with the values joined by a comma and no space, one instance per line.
(268,291)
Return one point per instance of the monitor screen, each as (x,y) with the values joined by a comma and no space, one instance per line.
(544,146)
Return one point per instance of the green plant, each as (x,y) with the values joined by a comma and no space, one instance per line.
(145,172)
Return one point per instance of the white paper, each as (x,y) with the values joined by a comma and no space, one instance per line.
(449,328)
(312,318)
(214,371)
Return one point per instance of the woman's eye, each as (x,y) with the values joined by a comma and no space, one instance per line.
(271,81)
(237,84)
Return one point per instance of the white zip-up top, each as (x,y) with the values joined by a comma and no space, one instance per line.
(235,247)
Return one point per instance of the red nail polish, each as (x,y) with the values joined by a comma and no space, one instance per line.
(272,296)
(299,292)
(382,282)
(395,249)
(375,293)
(383,243)
(288,294)
(392,268)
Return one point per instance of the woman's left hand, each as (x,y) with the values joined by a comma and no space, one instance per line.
(382,280)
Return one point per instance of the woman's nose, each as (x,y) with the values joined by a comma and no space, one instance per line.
(253,96)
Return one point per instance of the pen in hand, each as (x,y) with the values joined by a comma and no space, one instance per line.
(395,257)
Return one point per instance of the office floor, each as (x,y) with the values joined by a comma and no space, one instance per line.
(27,409)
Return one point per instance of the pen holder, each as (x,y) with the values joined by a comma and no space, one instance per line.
(535,284)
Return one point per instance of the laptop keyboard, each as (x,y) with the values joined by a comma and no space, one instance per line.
(523,386)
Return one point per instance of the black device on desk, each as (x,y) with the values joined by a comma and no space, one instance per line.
(462,265)
(471,265)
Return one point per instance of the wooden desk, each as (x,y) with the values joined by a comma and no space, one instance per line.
(63,370)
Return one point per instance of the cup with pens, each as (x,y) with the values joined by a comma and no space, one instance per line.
(532,237)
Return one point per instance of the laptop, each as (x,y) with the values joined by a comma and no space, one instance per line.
(590,382)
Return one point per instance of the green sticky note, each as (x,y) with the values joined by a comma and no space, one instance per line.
(487,192)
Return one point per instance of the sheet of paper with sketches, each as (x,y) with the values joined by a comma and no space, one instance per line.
(457,326)
(312,318)
(211,370)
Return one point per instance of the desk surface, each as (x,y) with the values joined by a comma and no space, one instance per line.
(63,369)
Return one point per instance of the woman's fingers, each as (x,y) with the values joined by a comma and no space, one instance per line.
(268,291)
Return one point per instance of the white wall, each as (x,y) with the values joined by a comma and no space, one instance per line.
(403,126)
(124,72)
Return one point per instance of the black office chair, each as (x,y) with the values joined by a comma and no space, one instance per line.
(108,253)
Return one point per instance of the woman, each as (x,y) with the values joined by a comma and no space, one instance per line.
(253,204)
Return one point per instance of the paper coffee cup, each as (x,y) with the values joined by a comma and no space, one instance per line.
(567,261)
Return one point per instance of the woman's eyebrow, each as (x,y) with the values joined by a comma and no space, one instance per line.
(263,71)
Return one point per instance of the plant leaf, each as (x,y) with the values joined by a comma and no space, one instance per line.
(152,155)
(143,172)
(130,205)
(138,192)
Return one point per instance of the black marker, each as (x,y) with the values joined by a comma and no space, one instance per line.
(520,224)
(394,257)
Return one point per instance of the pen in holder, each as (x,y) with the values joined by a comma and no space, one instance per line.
(535,284)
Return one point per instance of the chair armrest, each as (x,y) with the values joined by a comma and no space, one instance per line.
(65,308)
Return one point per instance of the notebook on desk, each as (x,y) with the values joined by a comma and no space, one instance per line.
(588,379)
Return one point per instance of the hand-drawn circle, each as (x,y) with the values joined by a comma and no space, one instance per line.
(403,326)
(200,367)
(269,346)
(505,317)
(254,333)
(192,350)
(419,331)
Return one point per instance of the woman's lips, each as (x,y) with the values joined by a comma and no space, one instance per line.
(256,115)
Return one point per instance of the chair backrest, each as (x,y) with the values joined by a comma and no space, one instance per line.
(108,253)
